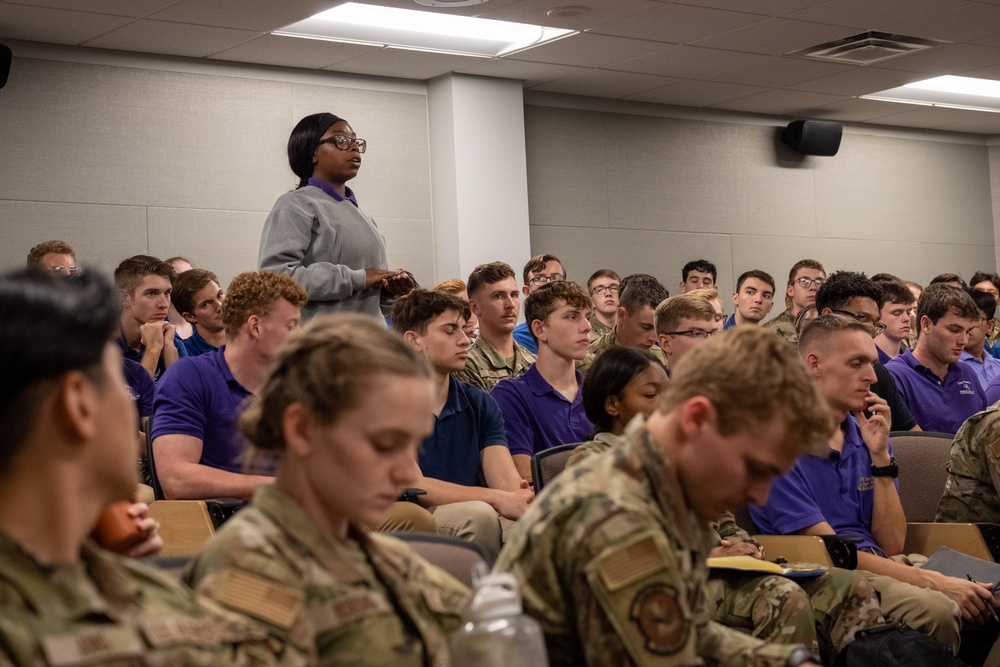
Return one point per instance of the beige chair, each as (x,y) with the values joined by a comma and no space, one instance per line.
(456,557)
(185,526)
(923,470)
(548,463)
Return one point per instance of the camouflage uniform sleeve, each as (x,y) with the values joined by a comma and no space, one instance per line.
(470,376)
(728,529)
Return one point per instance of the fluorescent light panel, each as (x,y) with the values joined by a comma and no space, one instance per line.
(952,92)
(422,31)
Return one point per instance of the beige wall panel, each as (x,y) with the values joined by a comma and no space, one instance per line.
(102,236)
(995,190)
(661,254)
(224,242)
(410,246)
(567,167)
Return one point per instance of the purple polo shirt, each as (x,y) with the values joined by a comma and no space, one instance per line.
(328,189)
(986,369)
(938,405)
(537,417)
(838,489)
(199,397)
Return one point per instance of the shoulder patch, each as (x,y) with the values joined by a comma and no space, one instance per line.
(92,645)
(660,619)
(630,563)
(260,598)
(347,609)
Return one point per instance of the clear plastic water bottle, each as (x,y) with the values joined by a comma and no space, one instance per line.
(497,632)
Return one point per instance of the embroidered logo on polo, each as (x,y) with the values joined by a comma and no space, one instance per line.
(965,388)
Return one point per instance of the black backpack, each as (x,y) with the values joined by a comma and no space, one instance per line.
(896,645)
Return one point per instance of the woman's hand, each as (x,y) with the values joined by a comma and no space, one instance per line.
(378,277)
(399,284)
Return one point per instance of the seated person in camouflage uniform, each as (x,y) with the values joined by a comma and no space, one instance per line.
(972,492)
(69,430)
(639,296)
(496,301)
(824,613)
(603,287)
(989,281)
(473,488)
(804,280)
(346,405)
(611,555)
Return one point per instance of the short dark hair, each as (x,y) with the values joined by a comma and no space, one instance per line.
(803,264)
(884,277)
(842,286)
(131,271)
(754,273)
(948,278)
(984,301)
(537,263)
(487,274)
(540,303)
(983,276)
(302,143)
(608,376)
(639,290)
(186,285)
(48,247)
(415,311)
(48,327)
(939,299)
(895,291)
(603,273)
(700,265)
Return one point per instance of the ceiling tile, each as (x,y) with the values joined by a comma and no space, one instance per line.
(779,102)
(963,24)
(987,123)
(989,40)
(686,62)
(176,39)
(873,14)
(859,81)
(695,93)
(532,74)
(471,10)
(401,63)
(777,36)
(604,83)
(57,26)
(678,24)
(765,7)
(855,110)
(589,50)
(778,72)
(133,8)
(992,72)
(927,117)
(535,12)
(260,15)
(293,52)
(951,59)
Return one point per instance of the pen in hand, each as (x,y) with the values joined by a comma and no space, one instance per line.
(993,611)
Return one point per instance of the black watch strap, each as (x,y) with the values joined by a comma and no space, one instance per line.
(891,470)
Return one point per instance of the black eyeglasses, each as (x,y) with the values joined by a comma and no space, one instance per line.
(807,282)
(538,281)
(862,317)
(700,334)
(601,289)
(345,143)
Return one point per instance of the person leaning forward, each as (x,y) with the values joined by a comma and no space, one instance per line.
(611,555)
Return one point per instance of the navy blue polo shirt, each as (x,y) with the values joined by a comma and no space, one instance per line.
(136,355)
(938,405)
(194,346)
(537,417)
(469,423)
(140,387)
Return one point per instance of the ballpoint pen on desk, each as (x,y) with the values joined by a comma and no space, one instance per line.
(993,611)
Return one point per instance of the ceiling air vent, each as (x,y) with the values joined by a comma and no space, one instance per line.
(867,48)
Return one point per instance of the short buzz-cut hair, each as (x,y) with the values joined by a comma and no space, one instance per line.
(48,248)
(895,291)
(939,299)
(770,382)
(842,286)
(817,330)
(537,263)
(804,264)
(603,273)
(700,265)
(452,286)
(255,293)
(754,273)
(543,301)
(186,285)
(487,274)
(948,278)
(414,311)
(131,271)
(639,290)
(689,305)
(984,301)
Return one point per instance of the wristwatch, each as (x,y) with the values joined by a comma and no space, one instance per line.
(800,656)
(891,470)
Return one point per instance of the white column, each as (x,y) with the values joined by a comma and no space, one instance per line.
(479,179)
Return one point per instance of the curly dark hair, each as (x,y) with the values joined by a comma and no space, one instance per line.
(842,286)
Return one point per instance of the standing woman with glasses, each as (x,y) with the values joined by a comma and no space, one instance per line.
(319,235)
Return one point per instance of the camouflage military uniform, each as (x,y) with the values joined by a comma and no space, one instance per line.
(485,366)
(109,610)
(994,336)
(784,326)
(599,345)
(972,492)
(837,604)
(610,562)
(597,328)
(366,600)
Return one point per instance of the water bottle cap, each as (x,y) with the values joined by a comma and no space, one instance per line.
(496,596)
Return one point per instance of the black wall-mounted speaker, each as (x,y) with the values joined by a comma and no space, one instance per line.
(813,137)
(5,58)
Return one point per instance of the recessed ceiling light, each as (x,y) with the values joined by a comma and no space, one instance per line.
(422,31)
(568,11)
(449,3)
(952,92)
